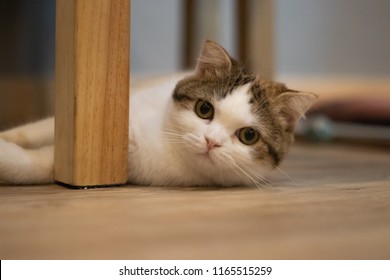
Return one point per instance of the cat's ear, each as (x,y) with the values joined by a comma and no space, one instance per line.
(292,105)
(213,60)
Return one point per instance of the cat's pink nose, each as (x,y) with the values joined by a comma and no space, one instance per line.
(211,144)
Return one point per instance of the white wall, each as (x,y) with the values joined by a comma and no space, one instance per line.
(157,34)
(333,37)
(215,20)
(312,37)
(156,42)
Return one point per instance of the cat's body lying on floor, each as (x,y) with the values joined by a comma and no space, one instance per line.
(222,125)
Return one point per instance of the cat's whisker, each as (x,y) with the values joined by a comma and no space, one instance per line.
(172,132)
(263,180)
(247,175)
(287,176)
(260,178)
(231,160)
(172,136)
(242,175)
(253,172)
(173,127)
(167,133)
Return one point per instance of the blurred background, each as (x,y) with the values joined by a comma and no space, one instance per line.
(334,48)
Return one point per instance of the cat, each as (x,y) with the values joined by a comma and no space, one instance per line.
(221,125)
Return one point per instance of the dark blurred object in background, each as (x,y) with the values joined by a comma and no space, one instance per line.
(27,32)
(363,119)
(366,110)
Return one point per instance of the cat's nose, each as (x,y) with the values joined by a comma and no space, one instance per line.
(211,144)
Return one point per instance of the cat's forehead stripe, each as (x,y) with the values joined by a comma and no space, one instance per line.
(236,108)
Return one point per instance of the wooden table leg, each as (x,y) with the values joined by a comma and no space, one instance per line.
(92,91)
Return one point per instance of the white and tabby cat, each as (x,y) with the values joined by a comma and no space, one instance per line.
(222,125)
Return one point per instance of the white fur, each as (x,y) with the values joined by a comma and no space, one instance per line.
(167,144)
(24,166)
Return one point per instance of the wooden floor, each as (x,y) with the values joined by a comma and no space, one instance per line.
(334,204)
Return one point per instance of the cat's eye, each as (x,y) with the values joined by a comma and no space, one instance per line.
(248,135)
(204,109)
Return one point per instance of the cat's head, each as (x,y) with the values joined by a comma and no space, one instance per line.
(231,125)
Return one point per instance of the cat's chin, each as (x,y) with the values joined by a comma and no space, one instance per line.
(203,156)
(208,161)
(216,172)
